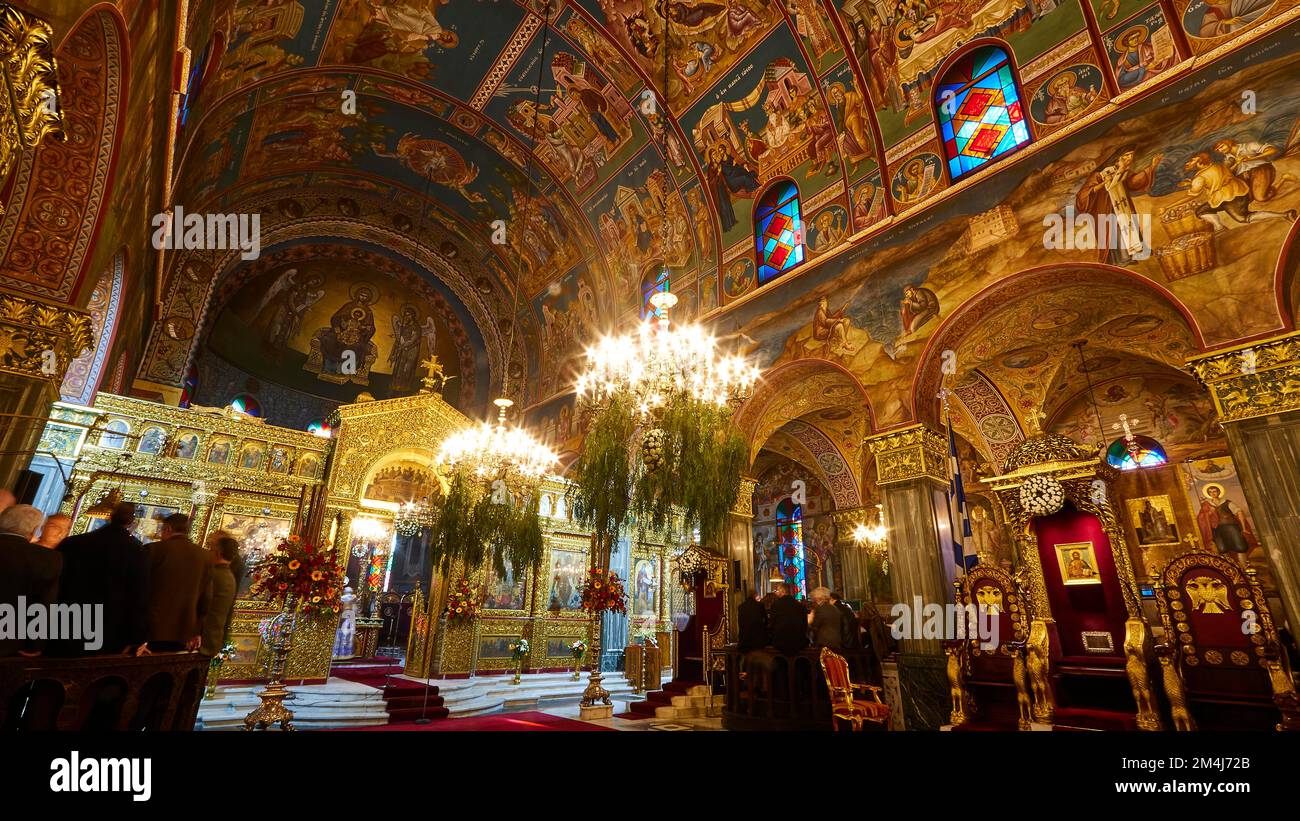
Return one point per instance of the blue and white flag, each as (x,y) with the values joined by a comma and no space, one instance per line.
(957,512)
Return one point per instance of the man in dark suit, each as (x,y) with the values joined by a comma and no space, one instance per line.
(826,623)
(789,621)
(180,588)
(751,623)
(109,566)
(27,571)
(852,628)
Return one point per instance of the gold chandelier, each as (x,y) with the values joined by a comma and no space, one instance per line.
(659,360)
(499,452)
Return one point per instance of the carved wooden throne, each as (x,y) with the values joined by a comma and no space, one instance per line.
(991,688)
(1220,658)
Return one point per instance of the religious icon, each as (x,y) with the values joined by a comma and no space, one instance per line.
(1223,523)
(503,592)
(1078,563)
(251,457)
(187,445)
(152,441)
(1152,518)
(645,576)
(567,571)
(1208,595)
(220,453)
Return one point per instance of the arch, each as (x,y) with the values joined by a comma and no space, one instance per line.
(979,108)
(778,230)
(805,381)
(61,188)
(960,324)
(1286,279)
(82,379)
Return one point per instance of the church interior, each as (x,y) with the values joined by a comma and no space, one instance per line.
(617,365)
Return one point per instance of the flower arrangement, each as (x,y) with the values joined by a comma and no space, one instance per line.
(578,649)
(601,593)
(462,603)
(519,650)
(301,572)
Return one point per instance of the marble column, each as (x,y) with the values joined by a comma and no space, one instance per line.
(613,626)
(42,340)
(1256,390)
(739,542)
(851,555)
(911,465)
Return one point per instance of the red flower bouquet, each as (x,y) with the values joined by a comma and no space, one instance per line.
(601,593)
(462,602)
(303,572)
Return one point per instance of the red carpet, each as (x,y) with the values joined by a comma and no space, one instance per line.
(404,699)
(529,721)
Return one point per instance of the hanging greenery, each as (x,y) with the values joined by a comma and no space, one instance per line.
(680,469)
(473,525)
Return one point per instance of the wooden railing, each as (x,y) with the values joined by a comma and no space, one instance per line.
(102,693)
(786,692)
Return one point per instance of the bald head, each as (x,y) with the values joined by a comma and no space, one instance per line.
(7,499)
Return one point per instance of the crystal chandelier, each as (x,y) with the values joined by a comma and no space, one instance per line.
(659,360)
(874,538)
(498,451)
(412,517)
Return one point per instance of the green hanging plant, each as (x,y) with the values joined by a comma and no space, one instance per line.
(472,526)
(602,477)
(681,468)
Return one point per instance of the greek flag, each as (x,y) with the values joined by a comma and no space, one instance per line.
(957,511)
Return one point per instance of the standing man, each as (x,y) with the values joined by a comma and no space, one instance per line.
(852,628)
(216,624)
(27,572)
(109,567)
(751,623)
(789,620)
(825,620)
(180,577)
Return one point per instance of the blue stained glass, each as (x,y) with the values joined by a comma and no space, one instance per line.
(979,111)
(778,231)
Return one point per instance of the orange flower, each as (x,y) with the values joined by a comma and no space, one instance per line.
(295,564)
(316,575)
(315,599)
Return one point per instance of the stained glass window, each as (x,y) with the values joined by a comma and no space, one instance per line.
(247,403)
(651,285)
(778,231)
(789,536)
(1142,452)
(977,104)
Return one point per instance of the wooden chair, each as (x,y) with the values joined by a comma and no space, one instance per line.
(843,706)
(1221,660)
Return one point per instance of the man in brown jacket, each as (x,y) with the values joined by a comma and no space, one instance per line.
(180,576)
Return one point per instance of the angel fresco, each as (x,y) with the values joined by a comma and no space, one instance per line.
(435,161)
(404,358)
(279,315)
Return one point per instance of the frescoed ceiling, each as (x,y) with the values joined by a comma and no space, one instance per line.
(565,159)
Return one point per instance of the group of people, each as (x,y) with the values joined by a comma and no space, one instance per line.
(782,621)
(167,596)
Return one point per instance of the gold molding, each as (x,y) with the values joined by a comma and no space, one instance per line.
(744,505)
(39,340)
(30,78)
(904,454)
(1251,380)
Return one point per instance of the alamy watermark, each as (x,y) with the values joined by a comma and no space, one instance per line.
(176,230)
(1070,230)
(947,622)
(35,621)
